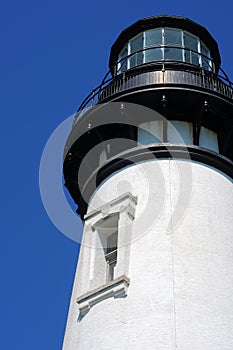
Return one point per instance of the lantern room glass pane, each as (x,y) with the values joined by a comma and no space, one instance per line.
(190,41)
(206,62)
(136,59)
(172,37)
(191,45)
(153,37)
(173,54)
(122,65)
(136,44)
(153,54)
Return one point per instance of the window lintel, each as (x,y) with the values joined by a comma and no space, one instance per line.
(125,202)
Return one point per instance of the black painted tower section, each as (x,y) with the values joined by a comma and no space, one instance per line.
(189,87)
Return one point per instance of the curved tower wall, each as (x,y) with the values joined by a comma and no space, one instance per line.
(173,279)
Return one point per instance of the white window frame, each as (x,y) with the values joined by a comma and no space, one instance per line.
(97,288)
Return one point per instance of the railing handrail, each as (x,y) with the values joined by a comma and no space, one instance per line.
(207,59)
(165,47)
(221,83)
(114,67)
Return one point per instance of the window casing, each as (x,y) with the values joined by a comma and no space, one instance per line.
(164,44)
(105,253)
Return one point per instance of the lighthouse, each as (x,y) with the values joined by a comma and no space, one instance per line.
(149,163)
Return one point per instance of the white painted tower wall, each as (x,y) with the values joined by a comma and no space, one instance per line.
(173,284)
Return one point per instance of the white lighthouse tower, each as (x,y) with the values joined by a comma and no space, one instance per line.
(150,167)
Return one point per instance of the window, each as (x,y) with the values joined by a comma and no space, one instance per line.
(150,132)
(105,252)
(176,131)
(206,62)
(136,44)
(208,139)
(159,44)
(173,37)
(191,48)
(111,254)
(153,38)
(110,237)
(122,65)
(153,54)
(106,256)
(180,132)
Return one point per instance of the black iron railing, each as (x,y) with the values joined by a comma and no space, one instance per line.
(155,73)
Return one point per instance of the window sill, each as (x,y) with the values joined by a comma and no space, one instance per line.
(116,288)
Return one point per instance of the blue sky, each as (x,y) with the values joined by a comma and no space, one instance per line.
(52,54)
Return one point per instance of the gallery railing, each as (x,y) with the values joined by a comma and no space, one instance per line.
(158,72)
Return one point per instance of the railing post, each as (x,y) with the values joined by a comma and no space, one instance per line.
(123,80)
(203,77)
(115,69)
(93,98)
(213,65)
(163,72)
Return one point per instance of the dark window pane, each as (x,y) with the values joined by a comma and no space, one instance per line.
(192,57)
(191,48)
(136,43)
(172,37)
(153,37)
(111,271)
(204,50)
(111,255)
(132,61)
(206,62)
(112,242)
(154,54)
(136,59)
(190,41)
(122,65)
(173,54)
(188,55)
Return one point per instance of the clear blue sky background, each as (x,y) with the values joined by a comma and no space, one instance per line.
(52,54)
